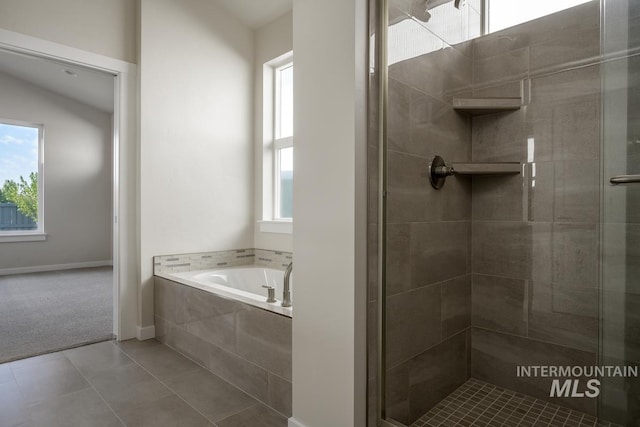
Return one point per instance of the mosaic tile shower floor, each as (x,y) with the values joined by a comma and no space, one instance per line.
(477,403)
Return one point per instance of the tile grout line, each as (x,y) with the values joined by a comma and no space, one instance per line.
(94,389)
(224,379)
(453,401)
(482,399)
(524,416)
(165,385)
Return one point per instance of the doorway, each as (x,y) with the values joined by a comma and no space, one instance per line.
(56,220)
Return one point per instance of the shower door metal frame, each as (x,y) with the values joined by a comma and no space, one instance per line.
(382,73)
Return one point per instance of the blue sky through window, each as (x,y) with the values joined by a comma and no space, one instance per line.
(18,152)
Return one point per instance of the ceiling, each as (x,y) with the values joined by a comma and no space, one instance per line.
(90,87)
(256,13)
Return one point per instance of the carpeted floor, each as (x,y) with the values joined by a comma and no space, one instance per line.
(45,312)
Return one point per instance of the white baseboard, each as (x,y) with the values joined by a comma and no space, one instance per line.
(146,333)
(293,423)
(55,267)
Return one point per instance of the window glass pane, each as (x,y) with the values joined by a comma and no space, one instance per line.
(507,13)
(285,174)
(285,116)
(18,178)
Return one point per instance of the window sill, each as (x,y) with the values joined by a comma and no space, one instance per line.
(271,226)
(25,237)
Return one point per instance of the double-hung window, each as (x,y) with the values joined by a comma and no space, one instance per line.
(283,143)
(277,145)
(21,164)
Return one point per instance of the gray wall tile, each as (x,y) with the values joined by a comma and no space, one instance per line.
(410,196)
(511,65)
(563,87)
(498,198)
(208,317)
(437,129)
(399,117)
(280,396)
(413,323)
(439,251)
(501,248)
(621,330)
(564,316)
(500,304)
(188,344)
(398,262)
(456,305)
(576,191)
(397,392)
(575,255)
(438,73)
(247,376)
(539,122)
(436,373)
(264,338)
(621,263)
(576,129)
(165,296)
(539,190)
(572,46)
(499,137)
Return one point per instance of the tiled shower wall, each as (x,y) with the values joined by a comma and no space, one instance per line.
(428,234)
(534,237)
(490,273)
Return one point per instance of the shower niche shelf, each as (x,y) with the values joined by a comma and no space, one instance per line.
(479,106)
(439,170)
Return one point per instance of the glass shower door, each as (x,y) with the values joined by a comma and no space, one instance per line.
(620,210)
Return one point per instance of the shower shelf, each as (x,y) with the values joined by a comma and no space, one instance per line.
(478,106)
(439,170)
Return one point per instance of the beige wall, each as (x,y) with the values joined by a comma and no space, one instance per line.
(77,177)
(271,41)
(196,159)
(107,27)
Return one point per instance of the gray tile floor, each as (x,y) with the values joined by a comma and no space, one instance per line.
(133,383)
(477,403)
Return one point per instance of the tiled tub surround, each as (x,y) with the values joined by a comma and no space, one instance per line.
(493,272)
(210,260)
(248,346)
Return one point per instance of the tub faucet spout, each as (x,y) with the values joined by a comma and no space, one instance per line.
(286,297)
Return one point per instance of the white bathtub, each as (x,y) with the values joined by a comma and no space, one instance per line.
(239,283)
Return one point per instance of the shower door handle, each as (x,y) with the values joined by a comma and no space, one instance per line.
(624,179)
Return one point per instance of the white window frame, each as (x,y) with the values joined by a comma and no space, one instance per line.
(39,233)
(271,221)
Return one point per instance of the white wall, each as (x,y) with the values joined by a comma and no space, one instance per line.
(77,177)
(329,231)
(107,27)
(196,103)
(271,41)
